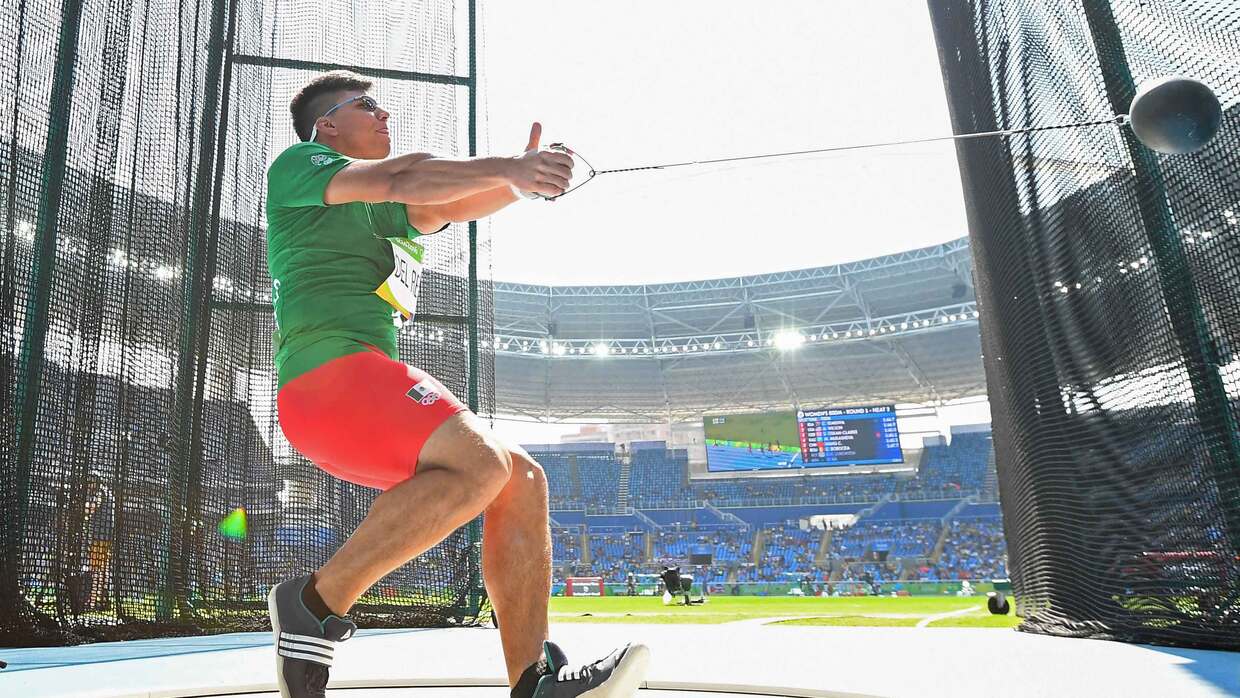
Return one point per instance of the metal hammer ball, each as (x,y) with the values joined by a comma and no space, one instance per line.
(1175,115)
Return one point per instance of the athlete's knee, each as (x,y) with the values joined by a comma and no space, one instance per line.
(471,453)
(525,467)
(493,463)
(485,465)
(529,480)
(539,477)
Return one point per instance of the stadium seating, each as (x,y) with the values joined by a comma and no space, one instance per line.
(613,555)
(788,550)
(726,546)
(870,573)
(599,475)
(565,545)
(902,522)
(658,477)
(560,490)
(953,471)
(579,475)
(896,538)
(973,549)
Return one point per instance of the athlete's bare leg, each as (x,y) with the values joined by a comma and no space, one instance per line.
(516,562)
(461,469)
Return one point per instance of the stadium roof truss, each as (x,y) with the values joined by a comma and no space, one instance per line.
(899,328)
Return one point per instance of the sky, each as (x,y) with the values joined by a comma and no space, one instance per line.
(638,83)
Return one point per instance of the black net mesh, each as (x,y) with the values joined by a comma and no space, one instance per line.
(139,390)
(1108,277)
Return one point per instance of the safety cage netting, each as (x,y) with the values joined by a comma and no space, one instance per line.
(139,391)
(1109,281)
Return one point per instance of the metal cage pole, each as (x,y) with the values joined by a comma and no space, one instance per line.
(186,481)
(477,593)
(29,368)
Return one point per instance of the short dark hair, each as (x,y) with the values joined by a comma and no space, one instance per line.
(319,95)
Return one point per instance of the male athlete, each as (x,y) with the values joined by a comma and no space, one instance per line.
(341,221)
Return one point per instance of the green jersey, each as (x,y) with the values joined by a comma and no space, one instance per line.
(326,263)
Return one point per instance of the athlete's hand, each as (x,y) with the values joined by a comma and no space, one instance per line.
(544,172)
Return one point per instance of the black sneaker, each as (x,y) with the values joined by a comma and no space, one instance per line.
(618,675)
(304,645)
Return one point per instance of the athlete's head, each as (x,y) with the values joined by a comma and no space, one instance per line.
(335,110)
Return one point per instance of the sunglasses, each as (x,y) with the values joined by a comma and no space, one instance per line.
(366,102)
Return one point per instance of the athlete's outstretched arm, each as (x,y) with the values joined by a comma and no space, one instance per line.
(421,179)
(471,208)
(475,206)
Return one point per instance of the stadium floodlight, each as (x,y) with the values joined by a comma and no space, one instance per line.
(787,340)
(601,349)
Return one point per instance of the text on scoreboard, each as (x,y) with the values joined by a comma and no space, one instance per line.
(850,436)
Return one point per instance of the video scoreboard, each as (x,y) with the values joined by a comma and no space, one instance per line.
(849,436)
(830,437)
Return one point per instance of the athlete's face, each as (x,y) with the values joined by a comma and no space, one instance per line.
(358,129)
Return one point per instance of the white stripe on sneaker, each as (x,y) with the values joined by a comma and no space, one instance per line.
(310,649)
(317,659)
(306,639)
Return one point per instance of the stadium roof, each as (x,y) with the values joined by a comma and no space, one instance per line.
(898,328)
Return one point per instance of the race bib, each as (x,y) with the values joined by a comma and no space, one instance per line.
(400,289)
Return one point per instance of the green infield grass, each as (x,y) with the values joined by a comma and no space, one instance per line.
(833,611)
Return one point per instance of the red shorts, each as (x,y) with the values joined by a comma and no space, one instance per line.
(364,417)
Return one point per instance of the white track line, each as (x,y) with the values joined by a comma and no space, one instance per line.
(930,619)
